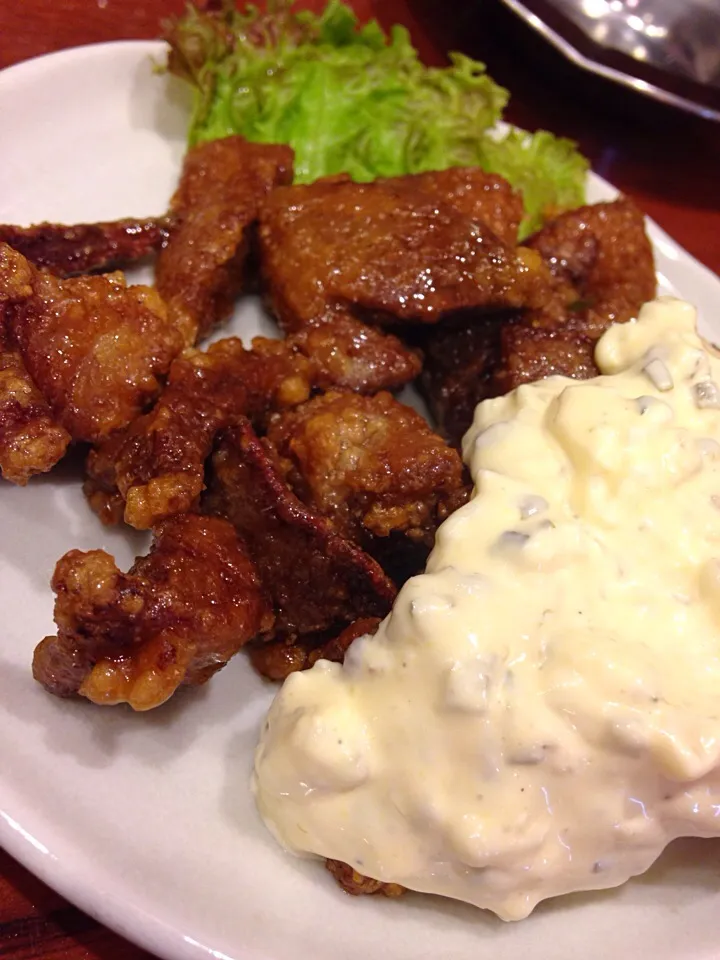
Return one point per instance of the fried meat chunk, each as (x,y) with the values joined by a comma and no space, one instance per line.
(472,358)
(201,269)
(403,249)
(156,468)
(371,465)
(68,250)
(531,353)
(319,581)
(31,441)
(357,884)
(355,356)
(483,197)
(174,619)
(277,659)
(604,252)
(459,357)
(95,348)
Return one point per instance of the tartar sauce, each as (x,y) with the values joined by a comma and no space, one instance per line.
(540,713)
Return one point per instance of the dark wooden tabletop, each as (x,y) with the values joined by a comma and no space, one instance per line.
(664,159)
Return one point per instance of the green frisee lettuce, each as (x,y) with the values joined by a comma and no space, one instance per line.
(352,99)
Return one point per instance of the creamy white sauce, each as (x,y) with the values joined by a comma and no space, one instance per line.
(540,713)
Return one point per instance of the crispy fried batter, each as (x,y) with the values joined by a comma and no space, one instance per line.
(30,440)
(348,353)
(371,465)
(278,659)
(604,252)
(401,249)
(94,347)
(356,884)
(319,581)
(175,618)
(87,247)
(201,269)
(156,468)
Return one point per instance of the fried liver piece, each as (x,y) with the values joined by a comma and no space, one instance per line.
(484,197)
(68,250)
(459,357)
(371,465)
(356,884)
(403,249)
(156,468)
(319,581)
(355,356)
(95,348)
(174,619)
(531,353)
(30,440)
(604,252)
(471,358)
(279,658)
(201,269)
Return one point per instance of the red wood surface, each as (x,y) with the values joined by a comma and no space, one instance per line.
(667,161)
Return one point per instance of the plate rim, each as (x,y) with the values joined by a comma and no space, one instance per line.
(31,64)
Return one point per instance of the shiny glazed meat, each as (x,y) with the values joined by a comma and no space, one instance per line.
(371,465)
(319,580)
(604,252)
(94,347)
(405,249)
(201,270)
(31,441)
(355,356)
(175,618)
(156,468)
(69,250)
(277,659)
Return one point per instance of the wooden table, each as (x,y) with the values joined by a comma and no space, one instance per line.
(667,161)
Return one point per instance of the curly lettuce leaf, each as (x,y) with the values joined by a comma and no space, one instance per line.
(351,99)
(547,170)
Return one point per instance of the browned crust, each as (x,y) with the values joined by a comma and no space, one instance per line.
(68,250)
(319,580)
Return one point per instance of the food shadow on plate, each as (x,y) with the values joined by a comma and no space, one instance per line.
(49,516)
(688,861)
(238,767)
(686,871)
(95,736)
(683,870)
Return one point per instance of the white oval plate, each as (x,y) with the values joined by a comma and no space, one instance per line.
(146,821)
